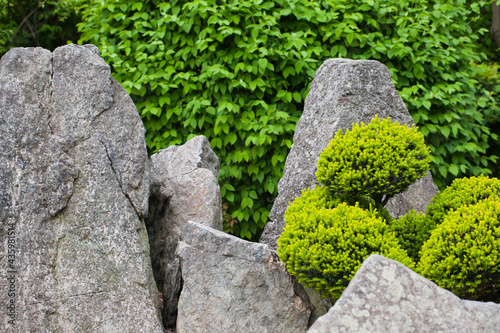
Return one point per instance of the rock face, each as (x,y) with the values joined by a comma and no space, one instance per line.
(73,191)
(231,285)
(385,296)
(343,92)
(184,186)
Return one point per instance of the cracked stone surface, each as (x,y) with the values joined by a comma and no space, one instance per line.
(74,188)
(343,92)
(184,186)
(231,285)
(386,296)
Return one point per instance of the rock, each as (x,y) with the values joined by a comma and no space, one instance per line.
(231,285)
(343,92)
(385,296)
(417,197)
(184,186)
(74,187)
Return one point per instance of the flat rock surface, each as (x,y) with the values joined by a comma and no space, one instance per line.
(231,285)
(343,92)
(74,188)
(386,296)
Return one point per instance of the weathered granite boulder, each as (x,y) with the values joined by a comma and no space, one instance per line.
(184,186)
(73,191)
(343,92)
(231,285)
(385,296)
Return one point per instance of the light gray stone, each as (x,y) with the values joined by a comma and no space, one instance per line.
(343,92)
(416,197)
(386,296)
(74,187)
(184,186)
(231,285)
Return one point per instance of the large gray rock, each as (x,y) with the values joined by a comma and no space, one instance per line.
(231,285)
(385,296)
(343,92)
(184,186)
(73,191)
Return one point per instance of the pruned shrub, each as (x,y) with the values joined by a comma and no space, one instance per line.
(463,253)
(412,230)
(461,192)
(325,247)
(378,160)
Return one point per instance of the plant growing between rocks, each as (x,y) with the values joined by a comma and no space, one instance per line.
(331,229)
(463,253)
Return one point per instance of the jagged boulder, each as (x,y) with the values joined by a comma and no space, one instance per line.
(184,186)
(231,285)
(74,187)
(343,92)
(386,296)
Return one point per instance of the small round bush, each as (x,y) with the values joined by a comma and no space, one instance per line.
(381,158)
(462,192)
(411,230)
(324,247)
(463,253)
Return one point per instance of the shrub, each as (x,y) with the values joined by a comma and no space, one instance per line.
(463,253)
(462,192)
(238,72)
(322,197)
(411,230)
(378,160)
(324,247)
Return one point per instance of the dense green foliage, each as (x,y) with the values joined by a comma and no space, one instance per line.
(412,230)
(48,23)
(238,72)
(463,253)
(463,191)
(322,197)
(325,247)
(377,160)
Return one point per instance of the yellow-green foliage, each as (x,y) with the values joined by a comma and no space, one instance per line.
(412,230)
(324,247)
(322,197)
(461,192)
(463,253)
(381,158)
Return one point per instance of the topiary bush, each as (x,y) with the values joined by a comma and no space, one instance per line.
(377,160)
(412,230)
(324,247)
(463,253)
(462,192)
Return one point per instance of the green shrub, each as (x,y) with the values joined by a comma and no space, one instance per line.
(321,197)
(463,253)
(324,248)
(238,72)
(462,192)
(412,230)
(379,159)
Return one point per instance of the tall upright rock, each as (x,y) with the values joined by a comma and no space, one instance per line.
(343,92)
(74,187)
(184,186)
